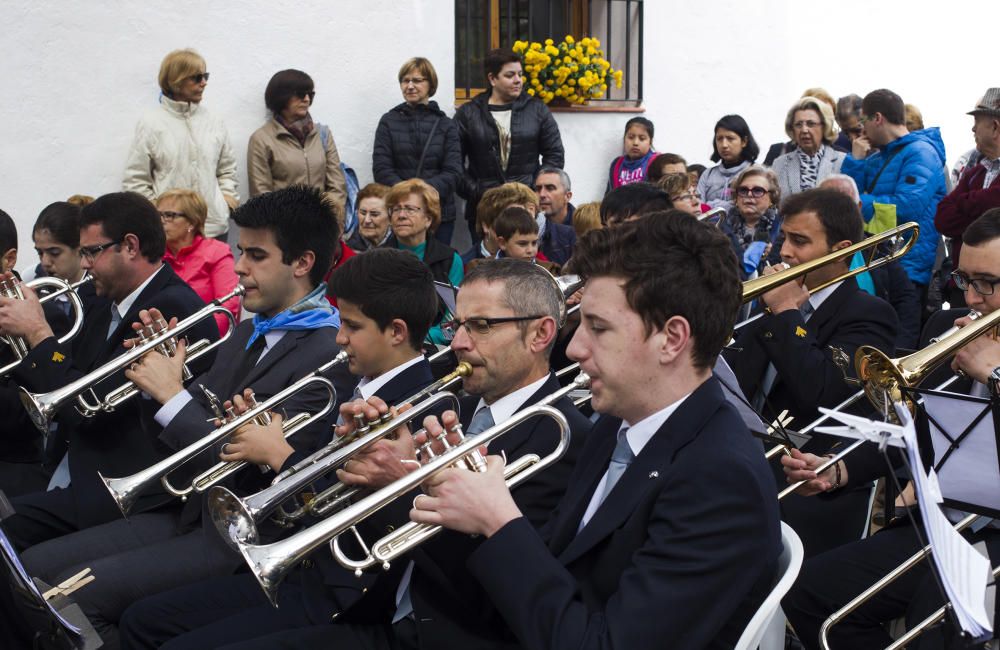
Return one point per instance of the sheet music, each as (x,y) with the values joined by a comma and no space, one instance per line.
(963,571)
(14,562)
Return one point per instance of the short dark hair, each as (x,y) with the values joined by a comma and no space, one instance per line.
(283,86)
(632,199)
(122,213)
(886,102)
(388,283)
(512,220)
(8,233)
(495,60)
(737,125)
(643,122)
(655,170)
(839,214)
(62,220)
(301,220)
(656,256)
(848,106)
(984,229)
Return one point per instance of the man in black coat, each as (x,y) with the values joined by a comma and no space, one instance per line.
(651,544)
(503,134)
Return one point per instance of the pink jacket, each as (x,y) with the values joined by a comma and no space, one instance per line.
(207,266)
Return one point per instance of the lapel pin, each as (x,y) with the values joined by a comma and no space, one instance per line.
(654,474)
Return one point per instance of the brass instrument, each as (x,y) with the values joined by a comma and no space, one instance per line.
(412,534)
(12,289)
(127,489)
(42,407)
(270,563)
(237,519)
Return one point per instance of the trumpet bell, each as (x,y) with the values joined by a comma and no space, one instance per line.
(883,378)
(232,518)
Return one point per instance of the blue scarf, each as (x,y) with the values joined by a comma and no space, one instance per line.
(312,312)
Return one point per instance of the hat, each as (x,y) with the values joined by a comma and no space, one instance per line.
(989,104)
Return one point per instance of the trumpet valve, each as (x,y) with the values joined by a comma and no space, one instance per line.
(426,450)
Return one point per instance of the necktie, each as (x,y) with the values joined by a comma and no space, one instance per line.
(116,318)
(621,458)
(481,421)
(248,361)
(771,374)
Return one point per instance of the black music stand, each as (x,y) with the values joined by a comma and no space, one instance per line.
(58,623)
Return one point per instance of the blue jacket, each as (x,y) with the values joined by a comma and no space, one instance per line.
(913,181)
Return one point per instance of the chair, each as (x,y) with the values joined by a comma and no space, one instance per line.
(768,617)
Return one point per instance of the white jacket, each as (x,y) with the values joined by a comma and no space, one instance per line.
(182,145)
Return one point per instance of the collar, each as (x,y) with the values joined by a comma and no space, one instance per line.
(816,156)
(511,403)
(368,387)
(642,432)
(816,299)
(483,251)
(186,250)
(543,224)
(126,304)
(184,109)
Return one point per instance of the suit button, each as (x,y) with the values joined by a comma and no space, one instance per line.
(335,615)
(768,335)
(307,564)
(389,529)
(364,590)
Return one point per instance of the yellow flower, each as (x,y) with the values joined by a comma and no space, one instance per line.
(536,46)
(585,61)
(571,82)
(585,41)
(548,41)
(551,51)
(531,91)
(604,87)
(569,39)
(549,82)
(591,51)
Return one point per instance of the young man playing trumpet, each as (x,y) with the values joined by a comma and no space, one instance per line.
(668,531)
(831,579)
(286,239)
(507,315)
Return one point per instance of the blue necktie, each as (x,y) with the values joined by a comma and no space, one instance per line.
(620,460)
(481,421)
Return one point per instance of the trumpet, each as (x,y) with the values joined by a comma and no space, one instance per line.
(408,536)
(12,289)
(42,407)
(237,518)
(270,563)
(127,489)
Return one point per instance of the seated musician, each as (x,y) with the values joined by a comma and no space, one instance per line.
(783,359)
(668,532)
(285,238)
(830,580)
(507,313)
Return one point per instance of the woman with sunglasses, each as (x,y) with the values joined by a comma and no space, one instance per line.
(752,222)
(291,149)
(205,264)
(181,145)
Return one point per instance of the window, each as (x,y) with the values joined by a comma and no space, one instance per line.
(482,25)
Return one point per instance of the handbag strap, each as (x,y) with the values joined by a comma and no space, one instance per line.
(888,159)
(427,145)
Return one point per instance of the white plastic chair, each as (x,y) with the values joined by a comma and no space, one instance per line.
(769,617)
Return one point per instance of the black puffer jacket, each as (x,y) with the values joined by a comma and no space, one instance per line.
(399,141)
(534,133)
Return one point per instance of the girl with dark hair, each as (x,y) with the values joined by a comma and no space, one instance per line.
(633,164)
(734,148)
(291,149)
(56,235)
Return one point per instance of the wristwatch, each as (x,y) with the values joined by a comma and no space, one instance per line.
(993,381)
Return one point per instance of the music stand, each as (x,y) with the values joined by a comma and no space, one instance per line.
(59,624)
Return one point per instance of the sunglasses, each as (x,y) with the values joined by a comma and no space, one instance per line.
(755,192)
(198,78)
(303,94)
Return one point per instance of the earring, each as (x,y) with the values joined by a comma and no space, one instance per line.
(190,229)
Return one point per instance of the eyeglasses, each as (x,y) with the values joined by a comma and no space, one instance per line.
(198,78)
(168,216)
(690,196)
(982,286)
(90,253)
(410,210)
(303,94)
(865,119)
(416,81)
(481,326)
(807,124)
(755,192)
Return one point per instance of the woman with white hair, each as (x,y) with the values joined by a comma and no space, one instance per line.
(181,145)
(809,124)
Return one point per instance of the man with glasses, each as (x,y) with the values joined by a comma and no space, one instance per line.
(828,581)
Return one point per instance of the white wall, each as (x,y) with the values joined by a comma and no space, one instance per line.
(77,74)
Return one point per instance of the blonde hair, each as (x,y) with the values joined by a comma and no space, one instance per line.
(80,200)
(914,118)
(191,204)
(425,68)
(674,184)
(495,199)
(178,66)
(432,202)
(822,95)
(825,115)
(587,217)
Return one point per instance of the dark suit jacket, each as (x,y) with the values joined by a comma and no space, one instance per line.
(682,551)
(112,443)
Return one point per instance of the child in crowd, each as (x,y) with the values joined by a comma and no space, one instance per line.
(516,231)
(695,171)
(734,149)
(638,146)
(587,217)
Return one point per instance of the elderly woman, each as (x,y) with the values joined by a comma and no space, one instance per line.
(417,140)
(373,219)
(291,149)
(205,264)
(734,148)
(414,210)
(181,145)
(809,124)
(753,223)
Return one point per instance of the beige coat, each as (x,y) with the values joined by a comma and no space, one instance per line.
(275,160)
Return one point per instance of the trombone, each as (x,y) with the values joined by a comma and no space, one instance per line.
(12,289)
(42,407)
(237,519)
(410,535)
(127,489)
(270,563)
